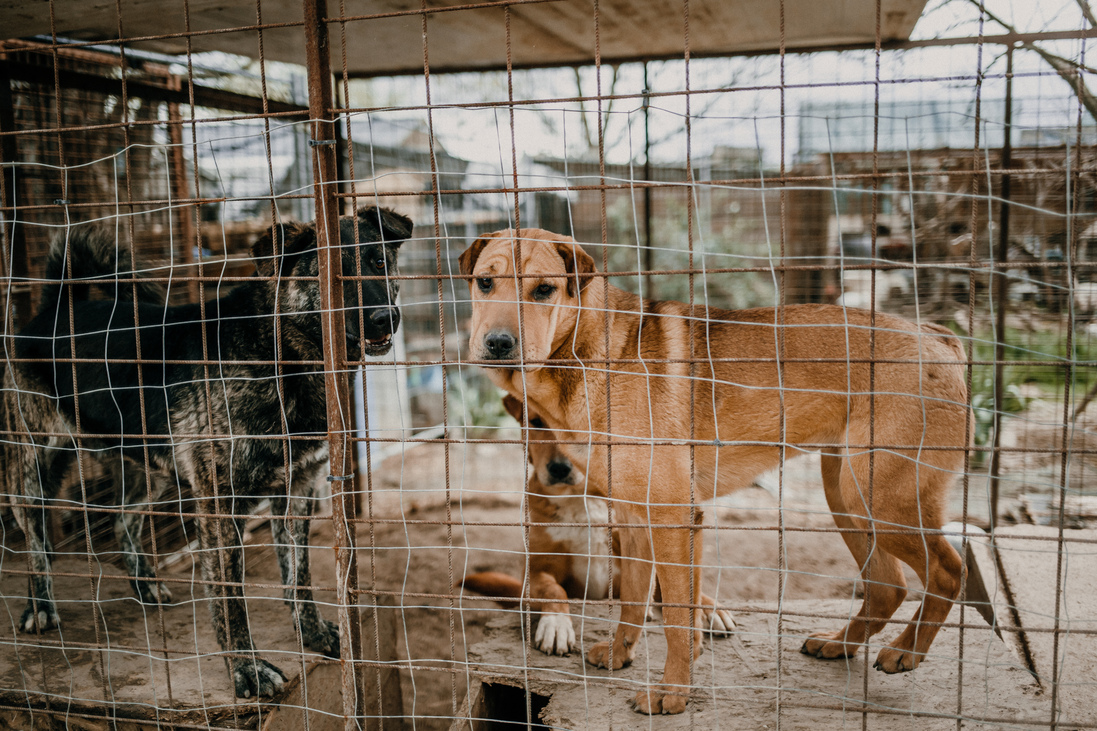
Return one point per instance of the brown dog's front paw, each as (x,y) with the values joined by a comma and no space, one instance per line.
(599,656)
(718,622)
(896,660)
(828,646)
(660,699)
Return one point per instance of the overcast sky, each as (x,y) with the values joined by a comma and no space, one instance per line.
(745,113)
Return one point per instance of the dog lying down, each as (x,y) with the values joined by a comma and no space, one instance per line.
(205,406)
(569,561)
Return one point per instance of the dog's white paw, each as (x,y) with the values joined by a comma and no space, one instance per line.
(555,634)
(718,622)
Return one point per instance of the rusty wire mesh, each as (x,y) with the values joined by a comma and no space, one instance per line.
(946,178)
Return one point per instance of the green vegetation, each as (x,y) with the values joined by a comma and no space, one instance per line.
(1024,381)
(477,404)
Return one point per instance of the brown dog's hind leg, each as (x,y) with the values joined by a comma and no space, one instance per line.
(636,570)
(885,586)
(938,566)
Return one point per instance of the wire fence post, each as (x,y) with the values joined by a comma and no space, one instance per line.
(340,421)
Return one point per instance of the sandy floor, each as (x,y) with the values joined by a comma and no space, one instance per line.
(424,557)
(423,537)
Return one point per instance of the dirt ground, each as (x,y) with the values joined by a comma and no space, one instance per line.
(426,532)
(422,555)
(819,567)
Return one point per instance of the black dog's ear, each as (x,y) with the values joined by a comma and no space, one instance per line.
(472,253)
(514,408)
(578,263)
(395,227)
(292,240)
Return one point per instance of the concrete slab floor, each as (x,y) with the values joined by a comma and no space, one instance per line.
(737,684)
(1051,603)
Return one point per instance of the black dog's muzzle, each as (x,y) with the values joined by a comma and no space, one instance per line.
(380,323)
(385,321)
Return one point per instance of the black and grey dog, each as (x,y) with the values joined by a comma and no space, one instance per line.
(196,397)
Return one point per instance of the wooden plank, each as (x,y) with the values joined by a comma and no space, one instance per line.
(472,713)
(384,693)
(1043,509)
(1053,611)
(315,703)
(204,96)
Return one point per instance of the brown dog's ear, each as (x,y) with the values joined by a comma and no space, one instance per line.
(514,408)
(472,253)
(579,265)
(292,239)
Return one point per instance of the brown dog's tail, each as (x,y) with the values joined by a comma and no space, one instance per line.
(494,584)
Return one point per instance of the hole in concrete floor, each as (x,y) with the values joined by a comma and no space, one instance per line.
(505,708)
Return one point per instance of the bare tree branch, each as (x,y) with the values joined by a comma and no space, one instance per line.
(1068,70)
(1069,73)
(1087,11)
(590,135)
(582,107)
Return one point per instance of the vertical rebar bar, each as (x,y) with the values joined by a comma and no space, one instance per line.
(18,309)
(325,182)
(649,253)
(1001,289)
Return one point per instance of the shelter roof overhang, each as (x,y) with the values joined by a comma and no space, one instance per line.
(386,37)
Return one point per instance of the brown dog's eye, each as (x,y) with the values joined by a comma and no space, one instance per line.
(536,423)
(484,284)
(544,291)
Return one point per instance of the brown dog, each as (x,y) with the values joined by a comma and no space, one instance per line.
(892,434)
(569,549)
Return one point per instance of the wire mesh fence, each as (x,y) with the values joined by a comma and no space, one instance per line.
(390,365)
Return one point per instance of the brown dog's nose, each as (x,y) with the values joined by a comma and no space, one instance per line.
(499,344)
(559,470)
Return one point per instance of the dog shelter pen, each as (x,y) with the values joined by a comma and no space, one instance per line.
(931,159)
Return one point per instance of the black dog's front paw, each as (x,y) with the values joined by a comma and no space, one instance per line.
(151,592)
(255,677)
(322,638)
(39,616)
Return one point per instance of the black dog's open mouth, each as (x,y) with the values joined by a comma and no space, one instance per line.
(377,346)
(382,342)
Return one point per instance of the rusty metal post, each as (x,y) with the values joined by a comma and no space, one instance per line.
(177,165)
(18,309)
(1001,296)
(649,254)
(325,182)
